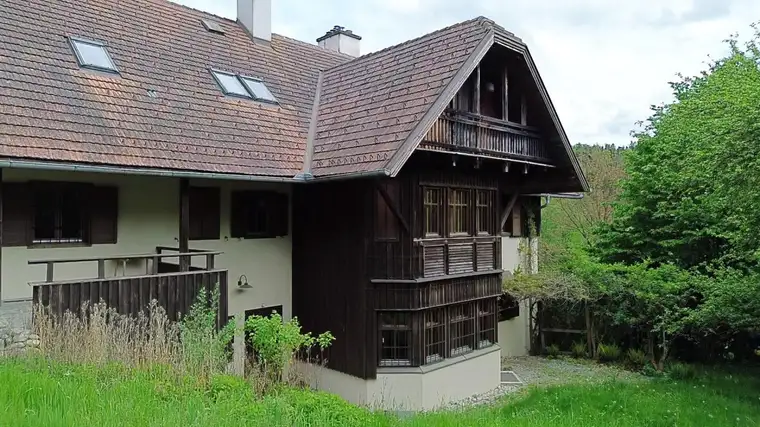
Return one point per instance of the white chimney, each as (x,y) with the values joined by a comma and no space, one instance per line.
(256,17)
(341,40)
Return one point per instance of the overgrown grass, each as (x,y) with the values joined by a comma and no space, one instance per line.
(36,393)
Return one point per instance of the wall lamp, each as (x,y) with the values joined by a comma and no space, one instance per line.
(243,282)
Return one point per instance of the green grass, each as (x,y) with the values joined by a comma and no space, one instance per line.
(35,393)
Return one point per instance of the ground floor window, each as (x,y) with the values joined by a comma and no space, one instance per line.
(425,337)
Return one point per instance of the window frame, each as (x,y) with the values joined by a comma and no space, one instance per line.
(462,328)
(490,196)
(395,329)
(464,208)
(242,79)
(60,192)
(486,311)
(241,199)
(245,81)
(439,205)
(431,329)
(80,60)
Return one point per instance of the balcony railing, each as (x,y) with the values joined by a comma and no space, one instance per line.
(468,132)
(130,294)
(457,256)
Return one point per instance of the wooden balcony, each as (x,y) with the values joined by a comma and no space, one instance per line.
(174,290)
(421,294)
(459,255)
(465,132)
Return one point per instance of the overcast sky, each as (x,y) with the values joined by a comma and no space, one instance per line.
(603,61)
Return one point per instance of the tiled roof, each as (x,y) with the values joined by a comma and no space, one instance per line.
(50,109)
(369,106)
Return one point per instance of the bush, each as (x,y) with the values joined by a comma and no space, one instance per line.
(680,371)
(552,351)
(579,350)
(205,349)
(636,359)
(609,353)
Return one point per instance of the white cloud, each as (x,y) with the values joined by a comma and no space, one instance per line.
(603,62)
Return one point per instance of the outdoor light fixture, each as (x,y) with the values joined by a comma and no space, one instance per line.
(243,282)
(506,166)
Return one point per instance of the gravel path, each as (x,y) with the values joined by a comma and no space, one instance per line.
(539,371)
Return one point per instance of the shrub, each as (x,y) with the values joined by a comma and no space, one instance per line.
(552,351)
(680,371)
(636,359)
(579,350)
(276,343)
(609,352)
(205,349)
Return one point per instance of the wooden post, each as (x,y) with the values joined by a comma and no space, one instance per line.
(184,223)
(49,275)
(523,111)
(477,104)
(505,97)
(101,269)
(210,262)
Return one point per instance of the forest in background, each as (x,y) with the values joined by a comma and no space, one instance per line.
(665,249)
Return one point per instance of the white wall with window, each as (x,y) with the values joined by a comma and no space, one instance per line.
(74,215)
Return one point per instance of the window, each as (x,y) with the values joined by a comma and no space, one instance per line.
(230,84)
(212,27)
(258,89)
(486,323)
(258,214)
(459,212)
(461,329)
(484,215)
(243,86)
(91,54)
(435,335)
(204,213)
(433,209)
(59,215)
(386,223)
(395,339)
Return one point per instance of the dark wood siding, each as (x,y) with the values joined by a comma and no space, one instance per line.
(330,234)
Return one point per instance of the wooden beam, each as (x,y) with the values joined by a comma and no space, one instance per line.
(184,223)
(476,108)
(523,111)
(505,96)
(391,204)
(508,209)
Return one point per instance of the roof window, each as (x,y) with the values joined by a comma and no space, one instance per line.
(212,26)
(92,54)
(243,86)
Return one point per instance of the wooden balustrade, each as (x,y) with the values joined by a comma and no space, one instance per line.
(451,256)
(422,294)
(486,135)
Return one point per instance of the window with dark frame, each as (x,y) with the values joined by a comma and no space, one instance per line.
(486,323)
(386,223)
(59,213)
(461,329)
(484,212)
(433,207)
(435,335)
(459,212)
(205,208)
(258,214)
(395,339)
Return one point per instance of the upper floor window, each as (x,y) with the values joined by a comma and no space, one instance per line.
(433,207)
(485,213)
(459,212)
(92,54)
(258,214)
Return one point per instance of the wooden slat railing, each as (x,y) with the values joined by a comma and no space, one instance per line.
(481,134)
(175,292)
(417,296)
(460,255)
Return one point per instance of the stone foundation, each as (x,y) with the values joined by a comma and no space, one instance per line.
(15,327)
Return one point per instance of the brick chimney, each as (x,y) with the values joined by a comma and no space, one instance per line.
(256,17)
(341,40)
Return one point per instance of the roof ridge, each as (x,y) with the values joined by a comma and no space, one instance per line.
(315,47)
(483,21)
(183,6)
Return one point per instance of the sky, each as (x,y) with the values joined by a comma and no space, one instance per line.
(604,62)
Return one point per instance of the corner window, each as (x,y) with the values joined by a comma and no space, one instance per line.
(395,339)
(459,212)
(433,207)
(204,213)
(92,54)
(258,214)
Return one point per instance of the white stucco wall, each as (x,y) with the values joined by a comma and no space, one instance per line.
(514,334)
(412,389)
(149,217)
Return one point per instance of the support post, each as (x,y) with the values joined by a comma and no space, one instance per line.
(523,111)
(477,105)
(505,96)
(184,224)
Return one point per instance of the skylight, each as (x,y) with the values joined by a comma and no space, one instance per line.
(212,26)
(243,86)
(258,89)
(91,54)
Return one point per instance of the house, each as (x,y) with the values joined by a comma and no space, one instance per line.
(379,197)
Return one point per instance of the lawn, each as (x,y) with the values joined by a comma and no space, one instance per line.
(36,393)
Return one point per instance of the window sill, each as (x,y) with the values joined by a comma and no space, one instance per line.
(52,245)
(439,364)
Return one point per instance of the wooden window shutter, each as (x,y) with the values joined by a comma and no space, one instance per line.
(279,212)
(104,214)
(204,213)
(237,214)
(17,214)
